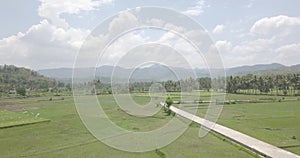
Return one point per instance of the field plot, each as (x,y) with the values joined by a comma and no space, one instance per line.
(66,136)
(275,123)
(273,119)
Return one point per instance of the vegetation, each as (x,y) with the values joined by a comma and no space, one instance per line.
(66,136)
(270,115)
(12,119)
(284,84)
(21,91)
(169,101)
(288,84)
(175,86)
(21,80)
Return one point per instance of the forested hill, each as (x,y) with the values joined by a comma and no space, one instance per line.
(12,77)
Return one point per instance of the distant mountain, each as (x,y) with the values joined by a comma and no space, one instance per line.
(242,70)
(294,68)
(162,73)
(283,70)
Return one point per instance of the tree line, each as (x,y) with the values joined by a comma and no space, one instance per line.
(22,80)
(284,84)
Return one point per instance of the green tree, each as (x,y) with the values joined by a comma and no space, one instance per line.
(21,91)
(69,87)
(169,101)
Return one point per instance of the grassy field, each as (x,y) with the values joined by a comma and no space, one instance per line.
(10,119)
(66,136)
(275,123)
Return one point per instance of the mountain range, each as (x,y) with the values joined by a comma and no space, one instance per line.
(161,73)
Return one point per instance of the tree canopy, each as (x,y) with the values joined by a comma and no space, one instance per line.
(12,77)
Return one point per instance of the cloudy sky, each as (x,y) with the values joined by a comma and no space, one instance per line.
(48,33)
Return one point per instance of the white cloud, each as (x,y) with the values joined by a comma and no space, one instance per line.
(248,52)
(247,47)
(224,46)
(47,45)
(255,46)
(52,42)
(124,21)
(218,29)
(288,54)
(113,51)
(195,10)
(121,46)
(52,9)
(44,45)
(275,25)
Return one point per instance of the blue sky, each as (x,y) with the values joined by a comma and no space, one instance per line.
(48,33)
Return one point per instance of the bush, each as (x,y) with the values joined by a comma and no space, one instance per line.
(21,91)
(169,101)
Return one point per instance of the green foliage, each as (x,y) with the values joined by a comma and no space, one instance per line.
(169,101)
(280,84)
(65,133)
(21,91)
(13,78)
(69,87)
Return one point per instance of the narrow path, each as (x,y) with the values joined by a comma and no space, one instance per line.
(251,143)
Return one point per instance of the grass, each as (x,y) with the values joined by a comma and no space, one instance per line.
(12,119)
(275,123)
(66,136)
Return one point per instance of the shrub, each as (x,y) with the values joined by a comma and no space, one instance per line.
(169,101)
(21,91)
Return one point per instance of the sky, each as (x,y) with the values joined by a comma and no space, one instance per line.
(41,34)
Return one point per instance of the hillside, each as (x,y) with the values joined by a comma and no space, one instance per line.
(161,73)
(254,69)
(12,77)
(284,70)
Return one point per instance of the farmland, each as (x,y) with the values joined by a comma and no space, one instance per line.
(65,135)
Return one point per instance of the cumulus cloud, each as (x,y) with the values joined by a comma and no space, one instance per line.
(124,21)
(247,52)
(275,25)
(44,45)
(121,47)
(224,46)
(288,54)
(255,46)
(52,42)
(195,10)
(52,9)
(218,29)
